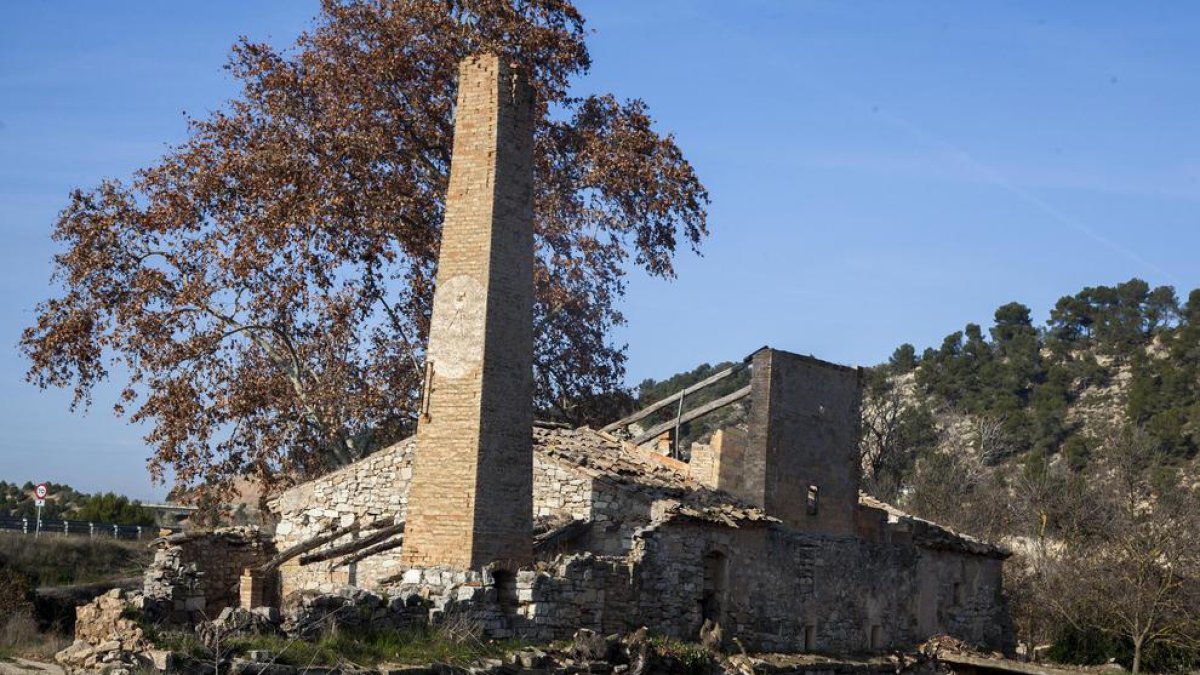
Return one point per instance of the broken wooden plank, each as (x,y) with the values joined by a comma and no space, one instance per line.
(373,550)
(353,546)
(646,412)
(320,540)
(303,547)
(693,414)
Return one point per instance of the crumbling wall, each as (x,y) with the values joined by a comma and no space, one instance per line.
(550,603)
(196,574)
(616,510)
(107,634)
(377,488)
(558,491)
(718,463)
(371,490)
(962,595)
(790,591)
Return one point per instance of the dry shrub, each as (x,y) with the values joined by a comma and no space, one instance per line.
(456,627)
(18,633)
(15,591)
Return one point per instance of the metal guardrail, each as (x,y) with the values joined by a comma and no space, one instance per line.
(81,528)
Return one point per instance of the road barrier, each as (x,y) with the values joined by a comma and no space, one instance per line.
(81,528)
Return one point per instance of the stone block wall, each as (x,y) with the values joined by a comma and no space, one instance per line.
(773,588)
(801,460)
(370,490)
(617,512)
(197,574)
(718,463)
(560,491)
(782,590)
(962,595)
(377,487)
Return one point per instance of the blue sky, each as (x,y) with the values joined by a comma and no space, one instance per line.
(880,172)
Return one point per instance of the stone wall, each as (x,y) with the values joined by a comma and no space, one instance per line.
(772,588)
(801,460)
(560,491)
(196,574)
(962,595)
(377,487)
(781,590)
(370,490)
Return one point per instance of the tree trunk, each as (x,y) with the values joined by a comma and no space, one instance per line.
(1137,656)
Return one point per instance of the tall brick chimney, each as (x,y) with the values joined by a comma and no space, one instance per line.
(471,499)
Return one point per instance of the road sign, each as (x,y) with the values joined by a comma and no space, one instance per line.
(39,503)
(41,491)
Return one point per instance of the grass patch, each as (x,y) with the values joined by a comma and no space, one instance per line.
(414,646)
(682,657)
(52,560)
(19,636)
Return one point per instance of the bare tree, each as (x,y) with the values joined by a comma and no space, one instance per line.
(1136,570)
(992,440)
(895,429)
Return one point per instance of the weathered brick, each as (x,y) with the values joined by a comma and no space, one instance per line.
(471,498)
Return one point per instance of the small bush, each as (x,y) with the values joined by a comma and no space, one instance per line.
(1091,648)
(677,656)
(15,592)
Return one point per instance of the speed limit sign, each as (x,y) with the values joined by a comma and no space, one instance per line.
(41,491)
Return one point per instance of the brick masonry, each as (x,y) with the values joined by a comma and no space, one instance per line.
(471,497)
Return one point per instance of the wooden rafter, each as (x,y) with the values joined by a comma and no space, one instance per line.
(677,396)
(690,415)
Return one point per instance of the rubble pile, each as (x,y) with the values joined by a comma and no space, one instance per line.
(607,459)
(108,636)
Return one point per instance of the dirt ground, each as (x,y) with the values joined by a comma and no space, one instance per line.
(24,667)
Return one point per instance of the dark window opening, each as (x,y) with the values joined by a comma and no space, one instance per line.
(810,638)
(876,637)
(813,502)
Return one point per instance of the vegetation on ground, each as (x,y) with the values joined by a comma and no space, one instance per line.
(338,647)
(19,632)
(52,560)
(678,656)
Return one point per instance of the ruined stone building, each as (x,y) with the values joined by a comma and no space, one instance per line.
(538,530)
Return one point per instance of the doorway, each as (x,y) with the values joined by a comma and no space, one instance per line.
(716,586)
